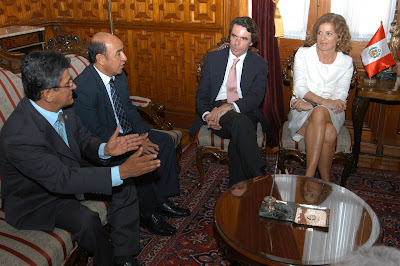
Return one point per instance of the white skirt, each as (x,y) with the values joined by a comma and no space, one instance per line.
(298,119)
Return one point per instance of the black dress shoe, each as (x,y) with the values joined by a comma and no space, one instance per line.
(133,262)
(168,209)
(156,225)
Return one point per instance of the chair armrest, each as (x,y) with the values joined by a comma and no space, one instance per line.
(154,113)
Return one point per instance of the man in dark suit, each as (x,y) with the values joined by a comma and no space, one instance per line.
(231,89)
(102,103)
(42,144)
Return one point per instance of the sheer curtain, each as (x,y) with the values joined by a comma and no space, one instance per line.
(364,16)
(263,13)
(295,18)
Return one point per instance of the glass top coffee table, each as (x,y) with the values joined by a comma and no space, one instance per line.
(352,223)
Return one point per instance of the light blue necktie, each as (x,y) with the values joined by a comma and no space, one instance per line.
(59,125)
(60,128)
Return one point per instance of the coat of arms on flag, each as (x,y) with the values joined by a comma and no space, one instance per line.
(376,56)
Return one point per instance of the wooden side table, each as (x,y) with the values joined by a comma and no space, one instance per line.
(385,90)
(22,39)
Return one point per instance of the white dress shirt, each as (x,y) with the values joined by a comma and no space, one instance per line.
(222,91)
(106,80)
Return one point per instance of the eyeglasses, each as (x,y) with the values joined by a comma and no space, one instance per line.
(68,86)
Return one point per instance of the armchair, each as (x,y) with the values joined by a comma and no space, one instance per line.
(211,145)
(288,148)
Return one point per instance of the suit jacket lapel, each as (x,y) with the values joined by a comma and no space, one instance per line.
(73,145)
(50,134)
(103,91)
(247,73)
(220,68)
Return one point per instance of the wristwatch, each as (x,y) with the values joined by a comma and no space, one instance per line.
(314,104)
(232,106)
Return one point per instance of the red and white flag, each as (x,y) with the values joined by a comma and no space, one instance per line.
(376,56)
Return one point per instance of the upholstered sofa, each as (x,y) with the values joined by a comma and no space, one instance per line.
(27,247)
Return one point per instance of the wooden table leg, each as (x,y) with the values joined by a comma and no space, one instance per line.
(360,106)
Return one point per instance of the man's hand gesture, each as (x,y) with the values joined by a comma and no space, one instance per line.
(137,165)
(148,146)
(120,145)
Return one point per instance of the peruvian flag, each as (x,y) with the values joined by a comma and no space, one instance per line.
(376,56)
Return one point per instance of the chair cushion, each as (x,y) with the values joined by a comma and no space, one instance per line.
(77,65)
(140,101)
(176,135)
(11,92)
(207,138)
(343,141)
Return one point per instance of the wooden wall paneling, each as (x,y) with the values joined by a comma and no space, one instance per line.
(199,43)
(63,9)
(75,12)
(11,12)
(144,66)
(121,10)
(35,10)
(89,10)
(143,11)
(172,54)
(204,11)
(172,11)
(18,12)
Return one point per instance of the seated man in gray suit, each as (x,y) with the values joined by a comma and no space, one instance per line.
(42,145)
(232,86)
(103,103)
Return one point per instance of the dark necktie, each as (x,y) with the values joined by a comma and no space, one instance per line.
(119,109)
(231,90)
(60,128)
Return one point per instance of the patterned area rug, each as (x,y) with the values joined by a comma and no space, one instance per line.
(195,242)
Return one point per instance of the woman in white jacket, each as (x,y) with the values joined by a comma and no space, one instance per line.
(321,81)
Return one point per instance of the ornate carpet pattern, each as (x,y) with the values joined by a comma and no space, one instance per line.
(195,242)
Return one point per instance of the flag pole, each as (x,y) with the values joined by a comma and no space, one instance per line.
(110,17)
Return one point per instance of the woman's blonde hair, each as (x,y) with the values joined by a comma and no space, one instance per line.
(341,29)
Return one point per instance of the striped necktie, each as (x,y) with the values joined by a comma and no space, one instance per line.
(119,109)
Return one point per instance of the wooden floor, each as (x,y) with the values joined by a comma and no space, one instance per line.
(367,161)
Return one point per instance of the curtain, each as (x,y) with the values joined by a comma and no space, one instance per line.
(295,18)
(263,13)
(365,16)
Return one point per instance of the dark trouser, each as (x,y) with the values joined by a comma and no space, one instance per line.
(245,160)
(155,188)
(87,231)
